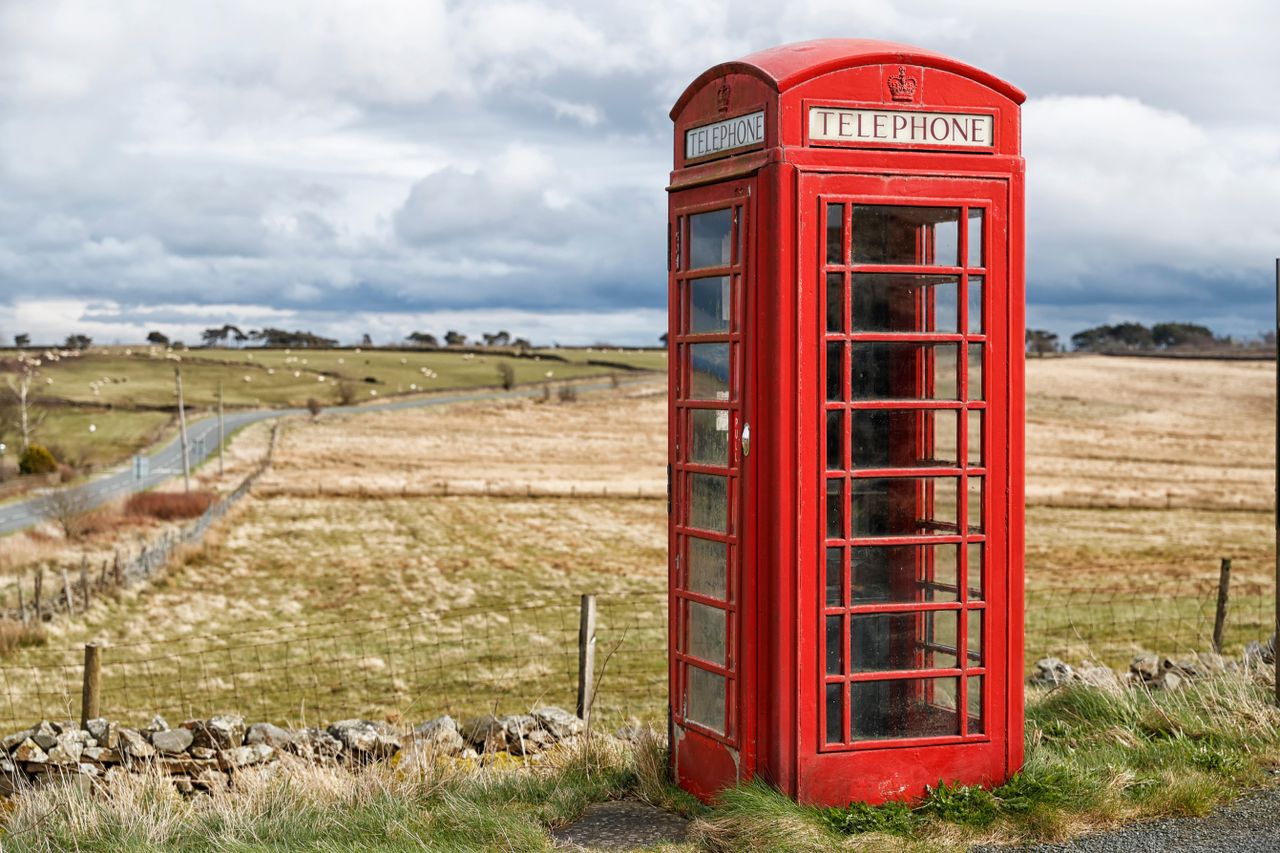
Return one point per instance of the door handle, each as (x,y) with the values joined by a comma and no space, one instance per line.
(746,439)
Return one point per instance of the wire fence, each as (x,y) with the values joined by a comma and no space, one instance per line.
(507,659)
(411,666)
(32,600)
(1111,625)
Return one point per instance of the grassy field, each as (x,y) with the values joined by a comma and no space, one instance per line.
(122,389)
(399,545)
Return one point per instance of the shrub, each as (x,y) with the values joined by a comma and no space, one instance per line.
(37,459)
(314,407)
(346,393)
(567,393)
(507,374)
(169,506)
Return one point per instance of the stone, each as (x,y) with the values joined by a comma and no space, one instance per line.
(202,752)
(210,780)
(244,756)
(1258,653)
(157,724)
(315,745)
(89,770)
(101,754)
(1147,668)
(225,731)
(81,783)
(183,785)
(485,733)
(104,732)
(184,765)
(67,750)
(45,735)
(441,735)
(134,745)
(11,779)
(172,741)
(1172,680)
(10,742)
(1100,678)
(30,751)
(269,734)
(364,740)
(1052,672)
(559,723)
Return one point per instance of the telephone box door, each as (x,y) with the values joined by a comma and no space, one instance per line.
(709,441)
(904,283)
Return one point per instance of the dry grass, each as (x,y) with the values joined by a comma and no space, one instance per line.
(17,635)
(169,506)
(602,441)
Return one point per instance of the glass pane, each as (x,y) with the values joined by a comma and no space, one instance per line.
(975,437)
(976,584)
(905,438)
(706,632)
(975,237)
(975,305)
(708,562)
(710,239)
(835,447)
(904,371)
(974,688)
(975,637)
(903,707)
(704,698)
(975,372)
(835,227)
(903,573)
(879,642)
(835,302)
(709,305)
(891,234)
(709,436)
(897,302)
(834,579)
(835,713)
(974,504)
(708,502)
(835,509)
(904,506)
(835,371)
(709,372)
(835,637)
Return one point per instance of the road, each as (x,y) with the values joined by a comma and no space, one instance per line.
(165,462)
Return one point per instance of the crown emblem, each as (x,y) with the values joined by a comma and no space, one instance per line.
(722,98)
(902,87)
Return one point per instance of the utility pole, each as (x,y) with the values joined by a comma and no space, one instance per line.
(182,425)
(222,436)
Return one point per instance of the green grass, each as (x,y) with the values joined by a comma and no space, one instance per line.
(129,383)
(1094,760)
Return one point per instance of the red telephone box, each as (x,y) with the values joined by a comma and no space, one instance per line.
(846,424)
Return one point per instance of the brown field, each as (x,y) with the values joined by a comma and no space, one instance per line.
(1141,475)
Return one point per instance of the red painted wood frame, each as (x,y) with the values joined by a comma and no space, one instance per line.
(708,330)
(925,700)
(958,561)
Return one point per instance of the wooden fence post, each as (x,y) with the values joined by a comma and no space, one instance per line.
(22,605)
(92,692)
(66,590)
(84,580)
(586,655)
(116,569)
(39,588)
(1220,618)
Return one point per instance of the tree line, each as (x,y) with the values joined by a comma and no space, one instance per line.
(1136,337)
(218,336)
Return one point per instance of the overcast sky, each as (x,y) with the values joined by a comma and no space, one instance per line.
(381,166)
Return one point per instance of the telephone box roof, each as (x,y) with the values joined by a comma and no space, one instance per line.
(789,65)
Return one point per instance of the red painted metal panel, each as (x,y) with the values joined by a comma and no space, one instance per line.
(777,674)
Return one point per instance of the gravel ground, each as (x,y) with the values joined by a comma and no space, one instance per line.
(1249,824)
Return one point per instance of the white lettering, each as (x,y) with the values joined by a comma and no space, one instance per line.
(900,127)
(727,135)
